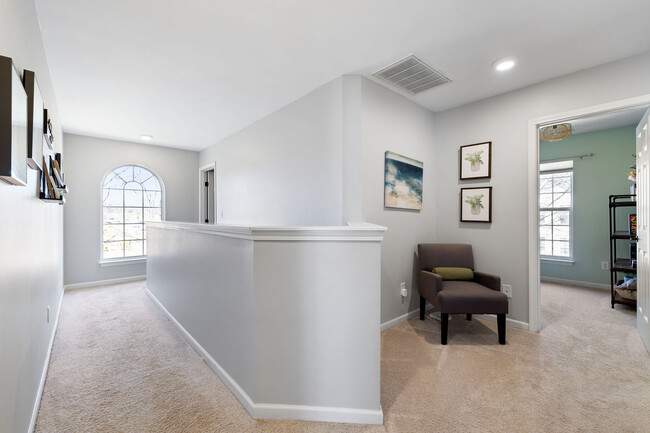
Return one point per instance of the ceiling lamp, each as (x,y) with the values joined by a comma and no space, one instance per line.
(556,132)
(145,137)
(504,64)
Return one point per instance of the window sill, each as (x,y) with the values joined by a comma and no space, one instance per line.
(554,261)
(127,261)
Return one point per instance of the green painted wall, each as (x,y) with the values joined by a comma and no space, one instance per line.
(594,179)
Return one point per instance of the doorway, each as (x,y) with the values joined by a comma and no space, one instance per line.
(207,194)
(533,189)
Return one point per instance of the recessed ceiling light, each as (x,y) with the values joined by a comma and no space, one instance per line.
(504,64)
(145,137)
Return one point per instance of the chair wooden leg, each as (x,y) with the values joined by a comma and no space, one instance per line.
(423,304)
(444,324)
(501,325)
(469,317)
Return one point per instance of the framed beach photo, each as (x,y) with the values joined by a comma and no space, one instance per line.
(476,204)
(402,182)
(476,161)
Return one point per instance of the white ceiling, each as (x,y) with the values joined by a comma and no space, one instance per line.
(191,73)
(628,117)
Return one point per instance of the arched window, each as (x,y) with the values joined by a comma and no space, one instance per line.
(132,195)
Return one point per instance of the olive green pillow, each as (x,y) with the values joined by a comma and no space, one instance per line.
(464,274)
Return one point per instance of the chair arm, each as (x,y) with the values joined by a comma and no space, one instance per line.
(490,281)
(429,284)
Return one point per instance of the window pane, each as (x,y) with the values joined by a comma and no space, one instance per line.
(545,200)
(562,184)
(113,232)
(133,215)
(113,250)
(141,174)
(133,248)
(113,215)
(133,231)
(561,233)
(545,218)
(562,199)
(133,198)
(561,248)
(561,218)
(152,184)
(545,233)
(545,184)
(113,197)
(152,199)
(125,173)
(133,185)
(113,181)
(152,214)
(545,248)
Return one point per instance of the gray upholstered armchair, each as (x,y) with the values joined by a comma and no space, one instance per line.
(481,295)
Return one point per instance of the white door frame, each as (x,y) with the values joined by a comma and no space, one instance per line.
(533,188)
(203,169)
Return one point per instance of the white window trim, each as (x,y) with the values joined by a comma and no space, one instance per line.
(565,166)
(124,260)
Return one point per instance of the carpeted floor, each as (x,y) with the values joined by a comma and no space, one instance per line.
(118,365)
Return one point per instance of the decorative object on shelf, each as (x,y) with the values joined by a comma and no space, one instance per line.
(556,132)
(52,187)
(632,224)
(48,130)
(476,204)
(476,161)
(13,125)
(34,120)
(403,182)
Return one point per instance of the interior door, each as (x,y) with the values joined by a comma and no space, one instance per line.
(643,255)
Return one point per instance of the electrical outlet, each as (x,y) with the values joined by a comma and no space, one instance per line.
(402,290)
(604,266)
(507,289)
(48,314)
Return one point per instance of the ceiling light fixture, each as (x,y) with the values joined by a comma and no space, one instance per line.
(556,132)
(504,64)
(145,137)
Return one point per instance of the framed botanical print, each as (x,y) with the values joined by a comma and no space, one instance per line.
(476,204)
(476,161)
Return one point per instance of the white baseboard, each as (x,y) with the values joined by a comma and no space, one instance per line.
(509,322)
(41,385)
(575,283)
(274,411)
(103,282)
(399,319)
(316,413)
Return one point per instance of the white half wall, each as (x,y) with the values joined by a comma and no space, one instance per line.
(86,162)
(502,246)
(285,169)
(31,246)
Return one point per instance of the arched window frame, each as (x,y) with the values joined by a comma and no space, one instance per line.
(131,259)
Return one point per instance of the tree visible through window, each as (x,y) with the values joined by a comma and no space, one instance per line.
(132,195)
(555,210)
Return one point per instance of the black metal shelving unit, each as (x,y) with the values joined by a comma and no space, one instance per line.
(617,264)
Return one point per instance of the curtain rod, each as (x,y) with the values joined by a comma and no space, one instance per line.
(586,155)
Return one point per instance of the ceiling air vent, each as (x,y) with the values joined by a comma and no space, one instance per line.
(412,75)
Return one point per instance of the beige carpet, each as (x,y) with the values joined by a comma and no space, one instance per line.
(118,365)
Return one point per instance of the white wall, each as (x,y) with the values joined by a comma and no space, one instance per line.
(284,169)
(86,162)
(502,247)
(31,244)
(392,122)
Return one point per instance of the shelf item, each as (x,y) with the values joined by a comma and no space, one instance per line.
(13,125)
(34,120)
(621,264)
(60,201)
